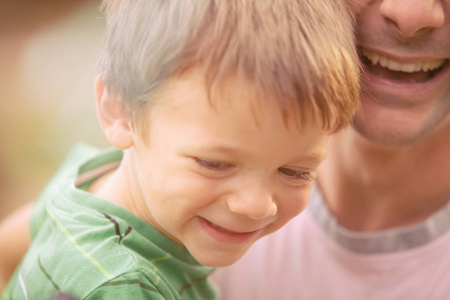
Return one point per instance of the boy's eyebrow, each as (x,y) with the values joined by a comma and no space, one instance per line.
(222,148)
(312,158)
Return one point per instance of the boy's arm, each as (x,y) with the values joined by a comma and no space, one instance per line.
(14,240)
(134,286)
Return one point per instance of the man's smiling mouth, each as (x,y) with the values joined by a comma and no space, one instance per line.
(401,72)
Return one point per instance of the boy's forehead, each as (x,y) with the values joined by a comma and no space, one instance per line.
(237,92)
(234,94)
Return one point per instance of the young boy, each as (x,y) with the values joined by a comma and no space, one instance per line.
(219,112)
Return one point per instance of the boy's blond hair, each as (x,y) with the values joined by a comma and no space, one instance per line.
(290,49)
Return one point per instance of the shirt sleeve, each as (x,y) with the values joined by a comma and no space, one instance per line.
(131,286)
(39,213)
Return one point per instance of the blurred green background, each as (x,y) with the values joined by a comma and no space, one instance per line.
(48,51)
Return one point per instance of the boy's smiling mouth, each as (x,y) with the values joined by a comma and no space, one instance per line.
(221,228)
(229,231)
(224,235)
(415,72)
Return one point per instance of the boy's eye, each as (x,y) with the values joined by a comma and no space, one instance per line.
(297,175)
(213,165)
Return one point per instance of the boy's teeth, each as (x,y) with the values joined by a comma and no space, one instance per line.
(393,65)
(220,228)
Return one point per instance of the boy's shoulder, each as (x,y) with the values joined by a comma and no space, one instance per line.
(95,254)
(91,248)
(67,172)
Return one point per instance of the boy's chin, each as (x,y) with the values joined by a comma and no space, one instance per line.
(217,259)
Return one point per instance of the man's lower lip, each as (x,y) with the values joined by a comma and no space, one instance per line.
(406,90)
(226,236)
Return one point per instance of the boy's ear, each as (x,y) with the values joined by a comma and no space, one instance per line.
(114,121)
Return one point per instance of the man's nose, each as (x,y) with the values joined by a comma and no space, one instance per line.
(256,203)
(414,16)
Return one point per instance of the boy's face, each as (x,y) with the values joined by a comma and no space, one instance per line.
(217,175)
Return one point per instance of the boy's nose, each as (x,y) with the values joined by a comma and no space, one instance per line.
(412,16)
(256,205)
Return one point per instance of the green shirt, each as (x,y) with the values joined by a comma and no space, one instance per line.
(93,249)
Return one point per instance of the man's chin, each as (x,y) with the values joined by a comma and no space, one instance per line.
(385,124)
(388,133)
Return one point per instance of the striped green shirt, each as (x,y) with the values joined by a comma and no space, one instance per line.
(93,249)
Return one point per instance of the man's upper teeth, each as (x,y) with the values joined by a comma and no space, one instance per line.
(397,66)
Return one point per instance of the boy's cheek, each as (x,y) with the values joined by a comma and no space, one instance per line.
(292,206)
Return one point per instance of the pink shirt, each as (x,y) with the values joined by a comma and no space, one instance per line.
(312,257)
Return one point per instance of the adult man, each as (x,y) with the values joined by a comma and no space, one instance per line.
(377,226)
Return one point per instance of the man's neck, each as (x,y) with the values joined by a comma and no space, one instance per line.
(370,187)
